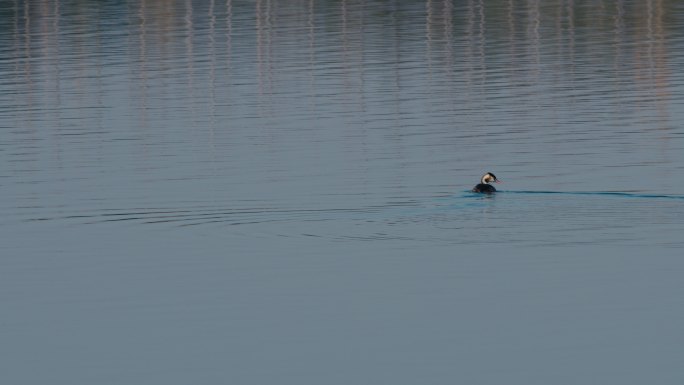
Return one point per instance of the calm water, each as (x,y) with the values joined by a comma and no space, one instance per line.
(278,192)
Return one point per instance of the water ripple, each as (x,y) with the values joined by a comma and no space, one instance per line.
(599,193)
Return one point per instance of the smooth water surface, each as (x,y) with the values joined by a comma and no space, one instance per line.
(279,192)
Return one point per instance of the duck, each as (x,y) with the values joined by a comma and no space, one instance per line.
(484,187)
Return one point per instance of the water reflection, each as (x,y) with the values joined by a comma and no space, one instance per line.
(353,101)
(240,192)
(466,37)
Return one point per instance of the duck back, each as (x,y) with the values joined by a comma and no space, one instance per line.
(484,188)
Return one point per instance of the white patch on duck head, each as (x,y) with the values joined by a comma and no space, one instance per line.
(488,177)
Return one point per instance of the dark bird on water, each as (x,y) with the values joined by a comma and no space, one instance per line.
(484,185)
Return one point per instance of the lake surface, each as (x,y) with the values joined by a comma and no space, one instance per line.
(279,192)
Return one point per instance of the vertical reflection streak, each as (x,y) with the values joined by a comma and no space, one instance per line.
(28,58)
(512,45)
(469,52)
(311,29)
(428,40)
(189,59)
(56,68)
(448,43)
(229,36)
(571,38)
(649,46)
(482,45)
(142,58)
(212,83)
(263,30)
(618,42)
(212,66)
(362,60)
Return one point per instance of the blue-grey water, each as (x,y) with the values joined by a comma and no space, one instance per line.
(277,192)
